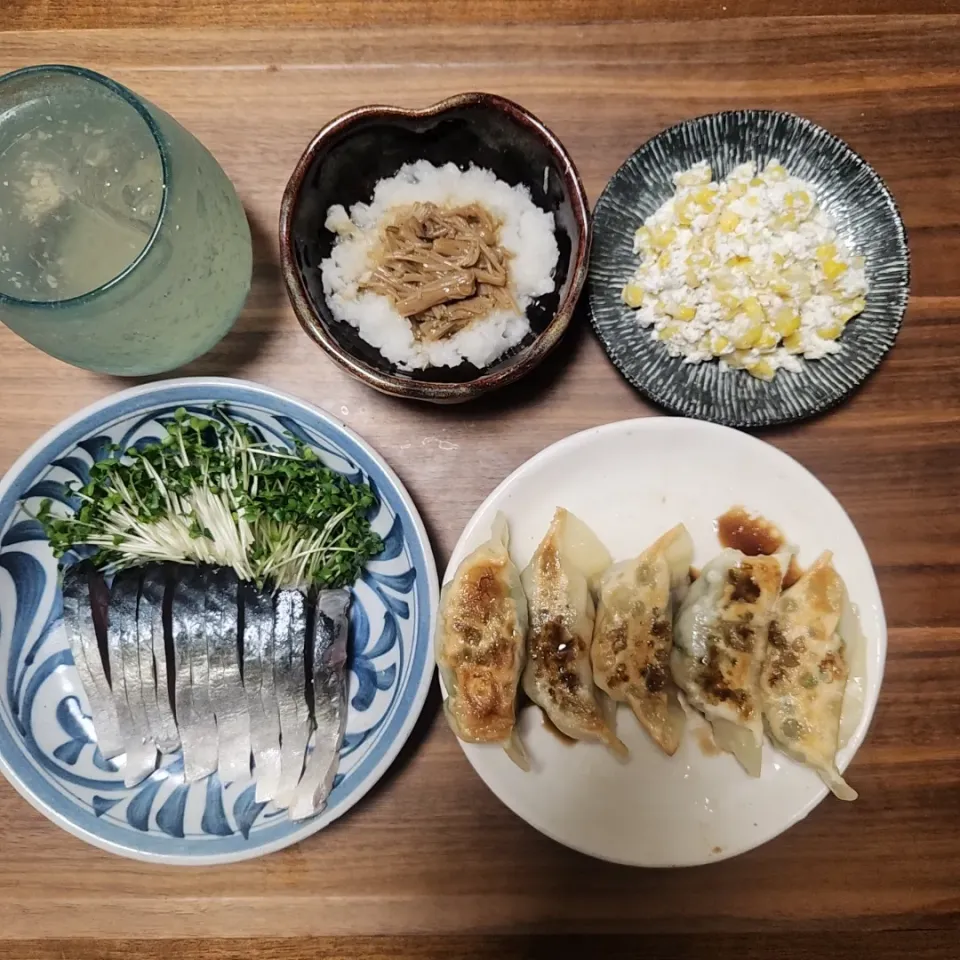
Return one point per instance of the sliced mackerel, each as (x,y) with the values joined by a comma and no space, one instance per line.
(259,689)
(330,628)
(122,647)
(226,685)
(153,660)
(80,627)
(195,718)
(290,636)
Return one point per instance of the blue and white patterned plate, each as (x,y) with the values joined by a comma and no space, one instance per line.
(47,750)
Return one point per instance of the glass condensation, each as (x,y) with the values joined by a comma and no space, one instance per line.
(123,246)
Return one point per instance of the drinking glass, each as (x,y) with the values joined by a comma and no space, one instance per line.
(123,246)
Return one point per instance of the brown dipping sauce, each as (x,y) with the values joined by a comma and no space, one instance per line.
(754,536)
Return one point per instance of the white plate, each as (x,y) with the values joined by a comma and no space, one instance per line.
(630,482)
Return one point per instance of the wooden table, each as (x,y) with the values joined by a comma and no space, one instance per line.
(431,851)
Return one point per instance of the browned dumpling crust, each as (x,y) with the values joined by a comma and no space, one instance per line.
(559,676)
(719,645)
(806,670)
(633,635)
(481,633)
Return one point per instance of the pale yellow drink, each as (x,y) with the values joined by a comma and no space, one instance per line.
(123,245)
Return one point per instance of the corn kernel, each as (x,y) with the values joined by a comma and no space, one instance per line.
(686,212)
(769,338)
(737,359)
(633,295)
(775,171)
(662,238)
(668,331)
(729,305)
(783,287)
(826,251)
(704,198)
(756,182)
(850,308)
(699,260)
(749,337)
(718,344)
(692,177)
(728,221)
(753,309)
(786,321)
(779,259)
(691,278)
(738,262)
(833,269)
(736,190)
(797,199)
(793,343)
(663,261)
(787,219)
(724,280)
(761,369)
(681,312)
(831,331)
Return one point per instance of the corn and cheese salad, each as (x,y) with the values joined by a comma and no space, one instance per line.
(749,270)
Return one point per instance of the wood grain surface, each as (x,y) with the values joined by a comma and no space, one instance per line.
(430,850)
(60,14)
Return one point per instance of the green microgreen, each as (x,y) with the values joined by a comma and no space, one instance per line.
(211,492)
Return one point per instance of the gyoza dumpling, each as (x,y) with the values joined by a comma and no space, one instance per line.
(558,676)
(805,673)
(481,631)
(720,638)
(633,635)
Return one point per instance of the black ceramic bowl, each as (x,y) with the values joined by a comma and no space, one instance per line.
(343,164)
(847,187)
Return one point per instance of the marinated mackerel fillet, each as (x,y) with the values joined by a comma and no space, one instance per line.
(720,639)
(290,637)
(128,693)
(259,690)
(481,632)
(151,620)
(80,626)
(558,675)
(330,627)
(226,688)
(207,621)
(633,635)
(442,267)
(805,672)
(198,728)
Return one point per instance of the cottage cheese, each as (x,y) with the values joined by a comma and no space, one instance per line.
(749,270)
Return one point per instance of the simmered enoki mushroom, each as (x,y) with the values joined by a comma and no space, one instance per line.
(442,267)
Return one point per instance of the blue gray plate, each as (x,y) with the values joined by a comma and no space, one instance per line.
(847,187)
(47,747)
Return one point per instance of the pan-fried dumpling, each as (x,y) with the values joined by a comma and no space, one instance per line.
(558,676)
(720,638)
(805,673)
(633,635)
(481,631)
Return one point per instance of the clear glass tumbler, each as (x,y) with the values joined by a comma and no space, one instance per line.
(123,246)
